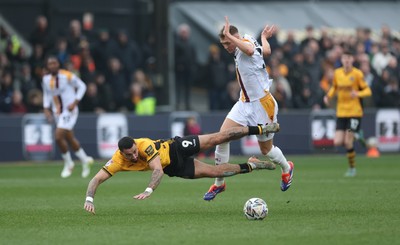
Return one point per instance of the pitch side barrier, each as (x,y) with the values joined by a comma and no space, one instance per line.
(31,137)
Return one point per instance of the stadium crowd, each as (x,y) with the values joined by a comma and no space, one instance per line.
(119,73)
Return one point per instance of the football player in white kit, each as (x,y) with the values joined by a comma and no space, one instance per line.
(62,91)
(256,105)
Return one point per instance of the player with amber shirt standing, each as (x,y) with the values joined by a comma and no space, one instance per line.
(350,87)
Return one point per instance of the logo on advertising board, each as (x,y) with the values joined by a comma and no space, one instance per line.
(387,129)
(110,128)
(37,137)
(323,124)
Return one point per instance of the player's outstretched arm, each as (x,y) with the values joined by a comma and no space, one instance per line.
(156,177)
(267,32)
(99,178)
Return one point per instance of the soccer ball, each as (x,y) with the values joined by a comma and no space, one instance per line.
(255,209)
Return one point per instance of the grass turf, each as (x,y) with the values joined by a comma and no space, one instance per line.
(321,207)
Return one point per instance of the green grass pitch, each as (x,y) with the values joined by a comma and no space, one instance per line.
(321,207)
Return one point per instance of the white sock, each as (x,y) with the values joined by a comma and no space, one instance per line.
(67,158)
(276,156)
(81,154)
(221,156)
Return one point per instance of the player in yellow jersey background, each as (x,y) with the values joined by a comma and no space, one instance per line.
(350,87)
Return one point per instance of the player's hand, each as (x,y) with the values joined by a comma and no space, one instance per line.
(226,28)
(89,206)
(268,31)
(71,107)
(47,114)
(326,100)
(354,94)
(142,196)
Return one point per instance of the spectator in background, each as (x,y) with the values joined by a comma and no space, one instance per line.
(61,51)
(35,101)
(104,91)
(148,51)
(74,37)
(102,50)
(381,59)
(17,104)
(92,102)
(87,26)
(232,94)
(41,34)
(118,83)
(142,96)
(216,78)
(128,52)
(310,35)
(192,127)
(280,89)
(6,91)
(26,82)
(36,62)
(185,66)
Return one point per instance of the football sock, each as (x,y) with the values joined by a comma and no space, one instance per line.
(276,156)
(66,157)
(351,155)
(81,154)
(221,156)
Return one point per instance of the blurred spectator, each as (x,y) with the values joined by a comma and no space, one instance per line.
(390,96)
(381,59)
(128,52)
(118,83)
(6,91)
(35,101)
(18,106)
(232,94)
(142,96)
(148,51)
(326,80)
(41,34)
(310,35)
(74,37)
(104,91)
(61,51)
(216,78)
(92,102)
(280,89)
(87,26)
(26,82)
(185,66)
(192,127)
(36,62)
(102,50)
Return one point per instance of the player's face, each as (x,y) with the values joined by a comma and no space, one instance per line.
(347,60)
(53,65)
(131,154)
(228,45)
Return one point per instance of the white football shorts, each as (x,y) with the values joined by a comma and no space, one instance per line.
(262,111)
(67,119)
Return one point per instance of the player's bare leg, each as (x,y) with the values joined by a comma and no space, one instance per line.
(61,139)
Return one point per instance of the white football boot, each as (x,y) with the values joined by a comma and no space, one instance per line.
(67,170)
